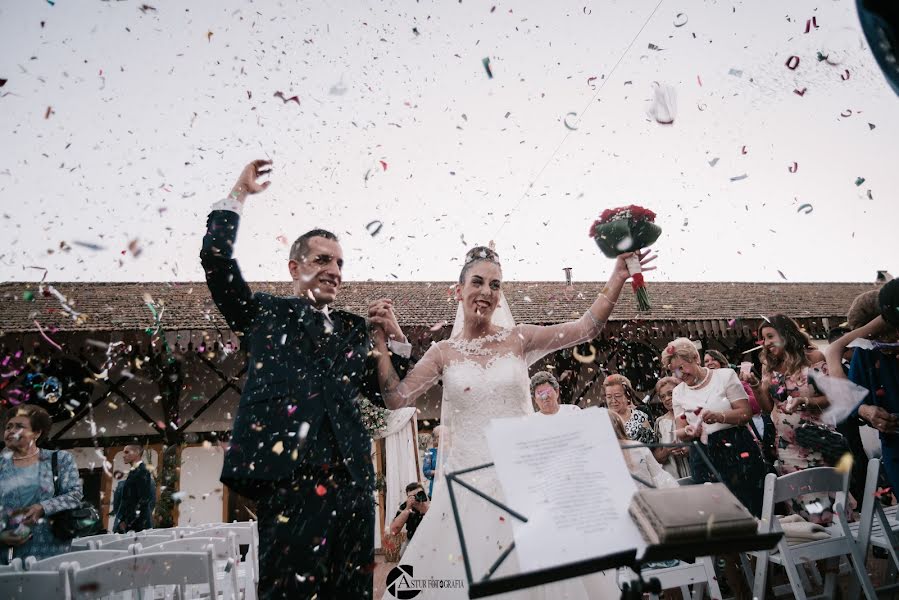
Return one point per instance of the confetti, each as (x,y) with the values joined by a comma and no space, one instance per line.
(285,99)
(813,22)
(383,164)
(844,75)
(652,46)
(45,336)
(3,82)
(714,161)
(792,62)
(743,150)
(664,103)
(744,455)
(806,208)
(321,490)
(844,465)
(278,448)
(859,181)
(486,62)
(208,36)
(49,112)
(586,11)
(739,177)
(572,124)
(735,72)
(794,167)
(144,8)
(782,276)
(882,492)
(801,92)
(374,227)
(28,296)
(590,80)
(846,113)
(584,358)
(89,245)
(680,19)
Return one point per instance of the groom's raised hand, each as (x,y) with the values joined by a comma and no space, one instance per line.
(381,316)
(246,182)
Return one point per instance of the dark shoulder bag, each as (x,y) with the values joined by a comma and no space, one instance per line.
(75,522)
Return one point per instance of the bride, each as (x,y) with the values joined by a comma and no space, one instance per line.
(484,370)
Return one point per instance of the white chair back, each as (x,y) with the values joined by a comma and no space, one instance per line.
(93,541)
(245,533)
(126,541)
(14,566)
(31,585)
(222,548)
(141,572)
(85,558)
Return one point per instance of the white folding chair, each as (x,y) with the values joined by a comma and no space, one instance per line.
(246,533)
(14,566)
(698,574)
(94,541)
(875,527)
(85,558)
(224,554)
(788,487)
(31,585)
(147,573)
(126,541)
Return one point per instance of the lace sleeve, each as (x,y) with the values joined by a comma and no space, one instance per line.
(538,341)
(417,381)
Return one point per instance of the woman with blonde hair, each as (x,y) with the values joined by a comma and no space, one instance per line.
(620,399)
(711,409)
(674,460)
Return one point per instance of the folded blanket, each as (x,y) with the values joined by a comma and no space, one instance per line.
(797,530)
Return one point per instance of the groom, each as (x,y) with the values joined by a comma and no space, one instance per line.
(298,446)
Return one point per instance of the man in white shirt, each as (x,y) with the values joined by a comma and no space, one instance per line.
(545,393)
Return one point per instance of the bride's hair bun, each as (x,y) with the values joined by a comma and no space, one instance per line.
(477,254)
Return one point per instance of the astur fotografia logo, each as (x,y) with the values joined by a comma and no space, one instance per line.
(400,583)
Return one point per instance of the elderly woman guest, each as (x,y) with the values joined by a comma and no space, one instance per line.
(620,399)
(710,407)
(27,493)
(674,460)
(545,394)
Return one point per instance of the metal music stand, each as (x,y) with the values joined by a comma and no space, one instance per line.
(490,586)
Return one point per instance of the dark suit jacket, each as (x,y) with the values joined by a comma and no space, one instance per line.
(138,496)
(297,373)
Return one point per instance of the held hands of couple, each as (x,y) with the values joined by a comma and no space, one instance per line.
(246,183)
(879,418)
(384,325)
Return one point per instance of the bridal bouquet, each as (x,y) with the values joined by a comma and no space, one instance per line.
(627,229)
(374,418)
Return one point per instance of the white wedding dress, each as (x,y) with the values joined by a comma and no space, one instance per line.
(483,379)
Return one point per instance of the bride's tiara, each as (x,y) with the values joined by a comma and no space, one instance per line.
(481,253)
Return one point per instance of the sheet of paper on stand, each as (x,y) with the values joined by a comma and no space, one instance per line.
(843,397)
(567,476)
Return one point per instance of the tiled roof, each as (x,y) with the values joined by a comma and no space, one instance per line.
(121,306)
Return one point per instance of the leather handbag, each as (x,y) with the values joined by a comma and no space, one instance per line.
(75,522)
(818,438)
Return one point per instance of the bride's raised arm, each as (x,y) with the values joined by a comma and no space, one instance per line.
(400,393)
(542,340)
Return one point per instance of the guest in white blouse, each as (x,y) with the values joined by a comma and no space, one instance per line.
(545,393)
(674,460)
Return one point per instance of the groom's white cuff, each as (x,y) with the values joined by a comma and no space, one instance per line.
(229,203)
(403,349)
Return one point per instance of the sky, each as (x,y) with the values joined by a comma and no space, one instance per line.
(123,122)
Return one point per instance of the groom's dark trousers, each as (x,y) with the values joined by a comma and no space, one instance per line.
(315,494)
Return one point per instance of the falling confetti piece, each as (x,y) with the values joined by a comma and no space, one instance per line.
(144,8)
(291,409)
(591,80)
(321,490)
(846,113)
(735,72)
(208,36)
(782,276)
(586,12)
(570,125)
(714,161)
(792,62)
(844,75)
(3,82)
(28,296)
(664,103)
(584,358)
(743,150)
(278,448)
(285,99)
(654,47)
(859,181)
(45,336)
(744,455)
(179,496)
(871,126)
(49,112)
(680,19)
(806,208)
(813,22)
(739,177)
(89,245)
(374,227)
(844,465)
(882,492)
(383,164)
(794,167)
(486,62)
(801,92)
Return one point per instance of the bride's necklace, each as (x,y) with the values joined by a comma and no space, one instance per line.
(476,345)
(705,380)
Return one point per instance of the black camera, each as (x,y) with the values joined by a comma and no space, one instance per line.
(421,496)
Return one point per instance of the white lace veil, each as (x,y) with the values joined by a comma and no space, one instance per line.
(502,315)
